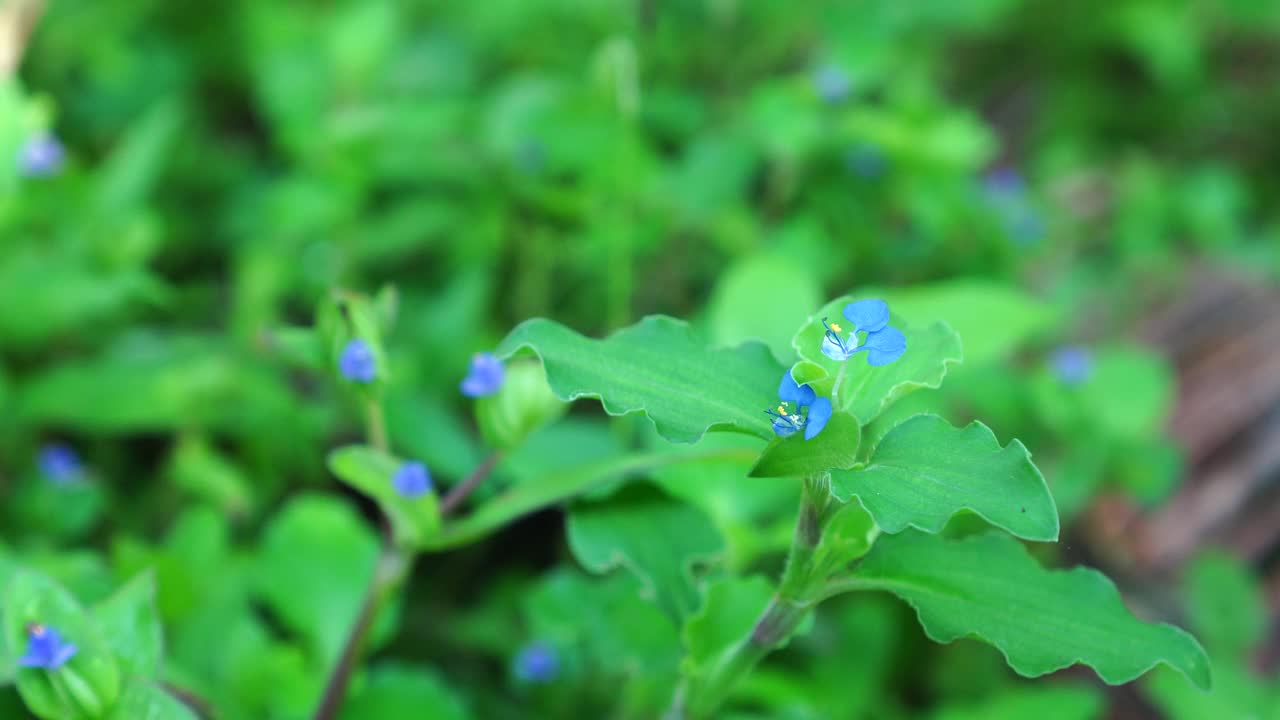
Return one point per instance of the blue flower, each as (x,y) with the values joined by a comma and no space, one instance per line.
(59,463)
(832,84)
(1073,364)
(883,344)
(412,480)
(357,363)
(537,662)
(41,156)
(1004,182)
(787,422)
(46,649)
(485,377)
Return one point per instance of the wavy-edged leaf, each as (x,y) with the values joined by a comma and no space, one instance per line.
(989,587)
(660,368)
(653,536)
(835,447)
(924,471)
(866,391)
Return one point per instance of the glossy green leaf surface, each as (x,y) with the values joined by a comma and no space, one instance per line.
(925,471)
(987,586)
(658,367)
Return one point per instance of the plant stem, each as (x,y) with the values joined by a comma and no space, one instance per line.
(799,591)
(375,425)
(835,389)
(462,490)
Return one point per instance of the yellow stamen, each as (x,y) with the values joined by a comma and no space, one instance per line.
(782,410)
(836,327)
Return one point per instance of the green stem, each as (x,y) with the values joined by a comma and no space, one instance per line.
(799,591)
(376,425)
(835,389)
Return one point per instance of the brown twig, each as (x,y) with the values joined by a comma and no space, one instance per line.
(463,490)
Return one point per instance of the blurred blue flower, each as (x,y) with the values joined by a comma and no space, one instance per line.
(832,84)
(866,161)
(787,422)
(41,156)
(46,649)
(537,662)
(59,463)
(357,363)
(883,343)
(485,377)
(1003,182)
(412,480)
(1072,364)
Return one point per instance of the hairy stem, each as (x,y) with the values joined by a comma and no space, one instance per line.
(799,591)
(462,490)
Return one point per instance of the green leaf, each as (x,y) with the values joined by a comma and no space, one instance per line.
(1225,604)
(660,368)
(988,586)
(866,391)
(835,447)
(729,614)
(131,626)
(924,471)
(992,319)
(414,520)
(849,535)
(316,560)
(141,700)
(521,406)
(90,682)
(739,310)
(394,691)
(1066,702)
(561,484)
(1237,693)
(653,536)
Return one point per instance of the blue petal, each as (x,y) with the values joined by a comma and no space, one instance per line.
(885,346)
(819,414)
(485,377)
(782,428)
(869,315)
(790,391)
(832,349)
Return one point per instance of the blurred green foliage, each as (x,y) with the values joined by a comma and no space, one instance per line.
(1032,175)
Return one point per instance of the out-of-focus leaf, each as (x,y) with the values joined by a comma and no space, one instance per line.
(369,471)
(392,691)
(131,626)
(762,297)
(1066,702)
(1225,605)
(142,700)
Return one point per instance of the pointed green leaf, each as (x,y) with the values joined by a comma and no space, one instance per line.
(835,447)
(987,586)
(129,622)
(924,471)
(866,391)
(653,536)
(660,368)
(414,520)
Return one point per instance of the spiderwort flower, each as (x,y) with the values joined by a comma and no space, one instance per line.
(787,422)
(883,344)
(485,378)
(357,362)
(537,662)
(59,463)
(412,480)
(46,649)
(41,156)
(1073,364)
(832,84)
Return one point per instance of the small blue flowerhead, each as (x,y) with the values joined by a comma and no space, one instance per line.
(60,463)
(41,156)
(412,480)
(866,161)
(787,421)
(537,663)
(46,649)
(883,344)
(485,377)
(1003,182)
(357,362)
(832,84)
(1073,364)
